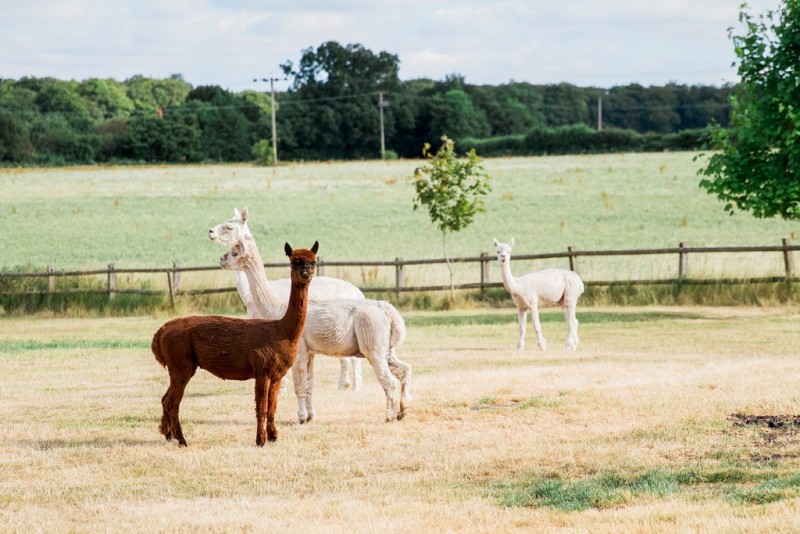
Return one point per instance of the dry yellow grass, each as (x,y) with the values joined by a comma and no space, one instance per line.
(649,390)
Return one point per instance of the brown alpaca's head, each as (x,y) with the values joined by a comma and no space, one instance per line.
(303,261)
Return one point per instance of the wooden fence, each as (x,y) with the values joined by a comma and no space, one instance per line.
(682,253)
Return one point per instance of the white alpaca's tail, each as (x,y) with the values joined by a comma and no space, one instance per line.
(573,287)
(398,324)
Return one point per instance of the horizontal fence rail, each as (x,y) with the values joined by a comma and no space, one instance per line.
(682,251)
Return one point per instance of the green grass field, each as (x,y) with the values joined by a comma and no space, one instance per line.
(677,419)
(87,217)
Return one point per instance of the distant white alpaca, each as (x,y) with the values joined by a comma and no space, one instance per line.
(549,287)
(322,288)
(338,327)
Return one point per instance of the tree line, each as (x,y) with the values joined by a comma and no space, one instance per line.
(332,109)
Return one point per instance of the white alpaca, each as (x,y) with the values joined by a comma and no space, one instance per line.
(322,288)
(339,327)
(549,287)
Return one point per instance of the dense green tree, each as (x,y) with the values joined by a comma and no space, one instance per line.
(15,145)
(565,104)
(758,166)
(331,109)
(175,137)
(453,114)
(511,108)
(225,131)
(105,98)
(150,94)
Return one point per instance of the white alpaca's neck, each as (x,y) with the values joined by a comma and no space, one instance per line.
(511,284)
(265,301)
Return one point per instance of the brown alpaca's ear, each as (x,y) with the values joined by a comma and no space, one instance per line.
(315,248)
(287,249)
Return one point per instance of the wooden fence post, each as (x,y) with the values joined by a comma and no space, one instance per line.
(51,285)
(399,281)
(112,282)
(683,261)
(788,259)
(573,260)
(51,280)
(169,287)
(484,270)
(176,277)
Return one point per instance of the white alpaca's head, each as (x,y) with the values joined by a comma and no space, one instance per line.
(232,230)
(236,258)
(503,250)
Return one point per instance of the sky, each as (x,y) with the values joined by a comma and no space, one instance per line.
(232,42)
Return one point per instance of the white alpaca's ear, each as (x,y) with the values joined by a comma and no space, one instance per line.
(236,213)
(511,243)
(245,215)
(495,241)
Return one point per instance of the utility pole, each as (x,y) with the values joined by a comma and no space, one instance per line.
(382,104)
(599,113)
(272,81)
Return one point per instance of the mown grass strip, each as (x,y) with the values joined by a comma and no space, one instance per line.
(545,317)
(12,345)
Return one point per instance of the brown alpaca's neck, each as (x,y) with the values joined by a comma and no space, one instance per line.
(265,301)
(294,319)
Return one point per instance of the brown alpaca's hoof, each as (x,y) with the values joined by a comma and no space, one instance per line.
(401,415)
(182,443)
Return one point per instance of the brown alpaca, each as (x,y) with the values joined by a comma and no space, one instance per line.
(236,349)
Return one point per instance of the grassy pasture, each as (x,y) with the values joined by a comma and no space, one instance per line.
(151,216)
(664,420)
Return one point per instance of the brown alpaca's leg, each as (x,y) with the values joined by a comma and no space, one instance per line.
(177,385)
(165,427)
(261,409)
(272,406)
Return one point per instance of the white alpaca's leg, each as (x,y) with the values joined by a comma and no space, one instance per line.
(299,370)
(344,374)
(402,371)
(391,385)
(522,319)
(537,327)
(358,379)
(312,412)
(572,327)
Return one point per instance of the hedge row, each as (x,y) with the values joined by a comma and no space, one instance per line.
(581,139)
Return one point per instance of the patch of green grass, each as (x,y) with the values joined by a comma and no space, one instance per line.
(539,401)
(739,485)
(771,490)
(602,491)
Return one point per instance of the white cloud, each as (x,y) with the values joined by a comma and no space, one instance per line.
(229,42)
